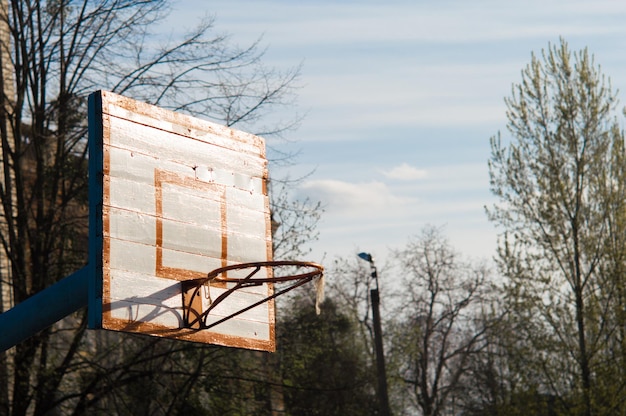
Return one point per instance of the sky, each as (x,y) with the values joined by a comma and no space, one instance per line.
(401,99)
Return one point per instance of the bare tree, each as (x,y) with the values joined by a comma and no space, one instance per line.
(294,221)
(438,325)
(59,51)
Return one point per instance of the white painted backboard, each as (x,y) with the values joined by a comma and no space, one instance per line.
(173,197)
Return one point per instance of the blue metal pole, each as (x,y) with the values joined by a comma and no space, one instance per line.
(44,309)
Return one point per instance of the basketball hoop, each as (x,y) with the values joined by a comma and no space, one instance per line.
(196,318)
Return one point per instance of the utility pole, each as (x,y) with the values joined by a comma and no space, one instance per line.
(383,397)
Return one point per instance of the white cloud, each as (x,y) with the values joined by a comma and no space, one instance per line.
(358,199)
(405,172)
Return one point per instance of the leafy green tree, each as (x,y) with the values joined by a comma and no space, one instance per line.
(560,183)
(324,364)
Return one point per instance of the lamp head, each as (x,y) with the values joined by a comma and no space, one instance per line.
(366,257)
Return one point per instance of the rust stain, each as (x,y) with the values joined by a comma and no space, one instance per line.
(189,334)
(192,306)
(162,177)
(158,196)
(224,228)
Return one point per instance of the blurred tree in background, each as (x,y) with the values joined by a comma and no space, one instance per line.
(325,368)
(438,325)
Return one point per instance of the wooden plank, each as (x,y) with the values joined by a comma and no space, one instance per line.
(208,337)
(131,256)
(212,174)
(238,200)
(200,264)
(134,227)
(157,143)
(165,294)
(179,238)
(160,303)
(131,226)
(241,329)
(187,238)
(235,302)
(181,124)
(135,298)
(129,285)
(140,197)
(200,189)
(194,207)
(128,313)
(130,195)
(243,249)
(140,168)
(246,221)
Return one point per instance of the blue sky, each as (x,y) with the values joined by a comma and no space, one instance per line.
(401,99)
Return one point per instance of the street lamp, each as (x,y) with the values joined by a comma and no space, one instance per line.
(378,339)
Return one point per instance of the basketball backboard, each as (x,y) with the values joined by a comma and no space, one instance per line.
(172,198)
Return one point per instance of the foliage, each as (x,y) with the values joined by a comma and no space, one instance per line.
(560,182)
(325,368)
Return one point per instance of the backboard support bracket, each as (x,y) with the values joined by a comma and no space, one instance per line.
(44,309)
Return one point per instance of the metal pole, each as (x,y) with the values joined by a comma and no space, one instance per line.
(383,396)
(44,309)
(380,355)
